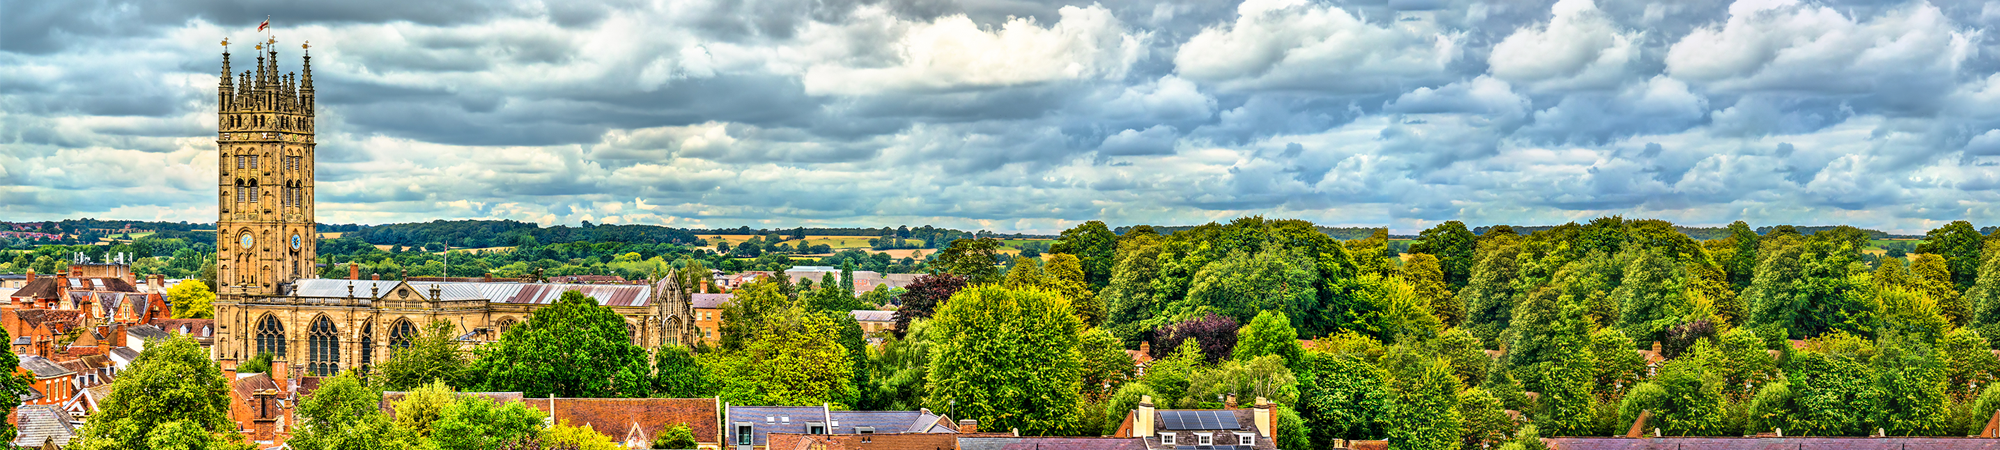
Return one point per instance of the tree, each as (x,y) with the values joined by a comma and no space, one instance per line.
(579,437)
(1263,377)
(1832,395)
(1930,277)
(1565,379)
(1485,421)
(12,386)
(678,436)
(192,300)
(421,407)
(1742,261)
(1344,398)
(1650,299)
(1130,300)
(1394,312)
(1105,363)
(1215,335)
(1243,284)
(1909,389)
(1064,275)
(1424,275)
(678,374)
(748,309)
(1489,295)
(795,359)
(173,386)
(1271,333)
(1960,246)
(1745,366)
(1095,246)
(1026,273)
(923,297)
(343,414)
(477,423)
(1693,402)
(1454,246)
(433,355)
(975,259)
(1426,413)
(1618,365)
(1008,358)
(1984,296)
(573,348)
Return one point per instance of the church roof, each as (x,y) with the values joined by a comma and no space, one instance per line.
(497,292)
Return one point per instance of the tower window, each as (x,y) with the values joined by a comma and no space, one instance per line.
(239,161)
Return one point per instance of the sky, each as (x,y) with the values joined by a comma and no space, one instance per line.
(1031,115)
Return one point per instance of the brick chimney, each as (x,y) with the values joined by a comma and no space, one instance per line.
(1229,402)
(158,282)
(374,277)
(1142,421)
(280,370)
(968,426)
(353,272)
(1263,418)
(31,275)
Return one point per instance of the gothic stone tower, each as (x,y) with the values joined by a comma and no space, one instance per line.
(265,233)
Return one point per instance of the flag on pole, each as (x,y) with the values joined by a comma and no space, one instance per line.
(265,25)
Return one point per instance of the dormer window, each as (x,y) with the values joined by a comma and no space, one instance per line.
(743,433)
(1246,439)
(1204,439)
(1167,439)
(815,428)
(864,430)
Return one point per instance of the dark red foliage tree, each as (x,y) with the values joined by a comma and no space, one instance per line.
(923,297)
(1215,334)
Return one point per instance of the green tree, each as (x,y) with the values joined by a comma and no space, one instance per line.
(900,368)
(1454,246)
(1394,310)
(1969,362)
(1565,379)
(1463,352)
(478,423)
(1064,275)
(1984,296)
(1910,388)
(1618,362)
(678,436)
(1026,273)
(344,413)
(1485,422)
(1929,276)
(1344,397)
(1832,395)
(1105,363)
(1693,404)
(1489,295)
(573,348)
(192,300)
(678,374)
(172,383)
(1131,299)
(1772,409)
(421,407)
(1745,365)
(1426,412)
(975,259)
(433,355)
(579,437)
(1742,261)
(1424,275)
(1960,244)
(1650,299)
(1271,333)
(1008,358)
(1243,284)
(751,305)
(1095,246)
(795,359)
(13,386)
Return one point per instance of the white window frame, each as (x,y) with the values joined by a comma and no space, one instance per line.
(1246,439)
(1167,439)
(1204,439)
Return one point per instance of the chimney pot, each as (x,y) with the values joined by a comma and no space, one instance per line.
(375,277)
(353,271)
(968,426)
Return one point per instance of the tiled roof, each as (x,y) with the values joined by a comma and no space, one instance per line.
(146,332)
(101,284)
(873,316)
(246,385)
(710,301)
(125,353)
(889,422)
(496,292)
(43,367)
(41,424)
(1049,443)
(1762,443)
(37,317)
(42,287)
(617,416)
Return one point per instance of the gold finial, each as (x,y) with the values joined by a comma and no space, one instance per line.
(260,46)
(308,44)
(225,42)
(273,40)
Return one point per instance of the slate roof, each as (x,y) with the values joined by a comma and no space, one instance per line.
(873,316)
(617,417)
(146,332)
(43,423)
(100,284)
(907,441)
(1050,443)
(1759,443)
(43,367)
(125,353)
(891,422)
(710,301)
(765,420)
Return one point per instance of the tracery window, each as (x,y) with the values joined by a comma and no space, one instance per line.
(323,352)
(401,334)
(271,336)
(367,344)
(506,324)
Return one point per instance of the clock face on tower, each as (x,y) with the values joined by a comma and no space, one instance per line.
(248,241)
(295,242)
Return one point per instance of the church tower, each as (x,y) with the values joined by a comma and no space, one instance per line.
(264,235)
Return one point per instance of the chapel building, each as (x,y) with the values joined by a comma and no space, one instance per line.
(269,299)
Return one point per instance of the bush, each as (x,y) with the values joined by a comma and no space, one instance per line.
(678,436)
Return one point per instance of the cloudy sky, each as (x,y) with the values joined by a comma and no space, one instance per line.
(1032,115)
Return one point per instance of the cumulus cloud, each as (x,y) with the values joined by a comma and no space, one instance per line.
(1034,115)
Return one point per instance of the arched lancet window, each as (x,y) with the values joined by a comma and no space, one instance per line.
(367,345)
(401,334)
(323,352)
(632,332)
(271,336)
(505,324)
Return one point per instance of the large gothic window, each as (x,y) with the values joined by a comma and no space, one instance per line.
(401,334)
(271,337)
(367,345)
(505,324)
(323,358)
